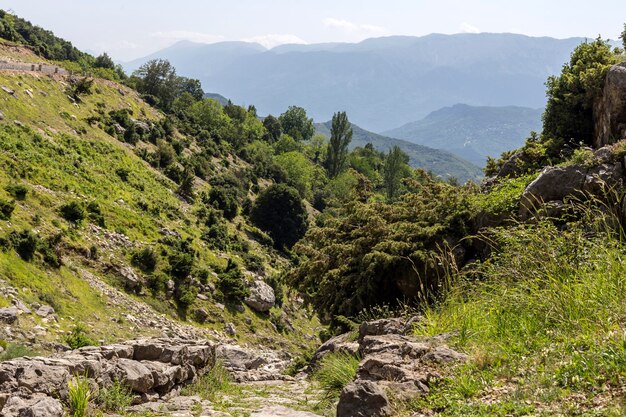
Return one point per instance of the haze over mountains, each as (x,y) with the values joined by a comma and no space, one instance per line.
(382,83)
(470,132)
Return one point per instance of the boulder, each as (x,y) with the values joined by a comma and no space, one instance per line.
(342,343)
(443,354)
(381,327)
(37,377)
(261,297)
(37,406)
(553,183)
(609,112)
(45,311)
(363,399)
(136,375)
(8,315)
(130,279)
(602,178)
(234,357)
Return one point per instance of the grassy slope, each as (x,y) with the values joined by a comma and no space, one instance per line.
(60,158)
(544,328)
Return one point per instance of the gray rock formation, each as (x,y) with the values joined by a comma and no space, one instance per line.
(8,315)
(151,367)
(363,399)
(261,297)
(610,110)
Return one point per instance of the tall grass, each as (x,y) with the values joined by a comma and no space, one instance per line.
(117,397)
(210,385)
(335,372)
(547,310)
(79,395)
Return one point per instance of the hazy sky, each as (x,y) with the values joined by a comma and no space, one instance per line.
(129,29)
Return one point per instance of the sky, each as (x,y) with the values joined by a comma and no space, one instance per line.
(129,29)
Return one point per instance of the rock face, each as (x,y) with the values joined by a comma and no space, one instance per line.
(153,367)
(610,110)
(261,297)
(393,363)
(363,399)
(554,185)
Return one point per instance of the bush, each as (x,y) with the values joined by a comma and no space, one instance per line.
(73,212)
(217,236)
(280,212)
(116,397)
(232,283)
(181,264)
(18,191)
(78,338)
(95,214)
(6,209)
(79,395)
(25,243)
(224,199)
(145,259)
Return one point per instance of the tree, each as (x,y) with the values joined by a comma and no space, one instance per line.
(104,61)
(340,137)
(273,127)
(623,37)
(569,111)
(279,211)
(296,124)
(158,79)
(396,164)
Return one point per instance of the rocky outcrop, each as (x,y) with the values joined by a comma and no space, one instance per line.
(394,364)
(548,193)
(261,297)
(152,368)
(610,110)
(252,365)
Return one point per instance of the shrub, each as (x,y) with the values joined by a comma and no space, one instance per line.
(145,259)
(280,212)
(18,191)
(116,397)
(73,212)
(217,236)
(224,199)
(232,283)
(25,243)
(79,395)
(123,173)
(95,214)
(181,264)
(78,338)
(6,209)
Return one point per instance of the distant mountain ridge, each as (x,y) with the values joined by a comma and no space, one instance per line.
(382,82)
(442,163)
(471,132)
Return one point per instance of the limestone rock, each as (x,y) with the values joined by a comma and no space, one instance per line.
(553,183)
(44,311)
(609,112)
(342,343)
(8,315)
(37,406)
(381,327)
(138,376)
(261,297)
(363,399)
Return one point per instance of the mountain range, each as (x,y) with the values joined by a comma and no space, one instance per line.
(470,132)
(382,83)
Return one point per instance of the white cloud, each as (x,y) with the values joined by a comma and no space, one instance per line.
(354,28)
(274,39)
(467,28)
(188,35)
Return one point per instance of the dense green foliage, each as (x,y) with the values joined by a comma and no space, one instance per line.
(368,252)
(42,41)
(279,211)
(568,118)
(296,124)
